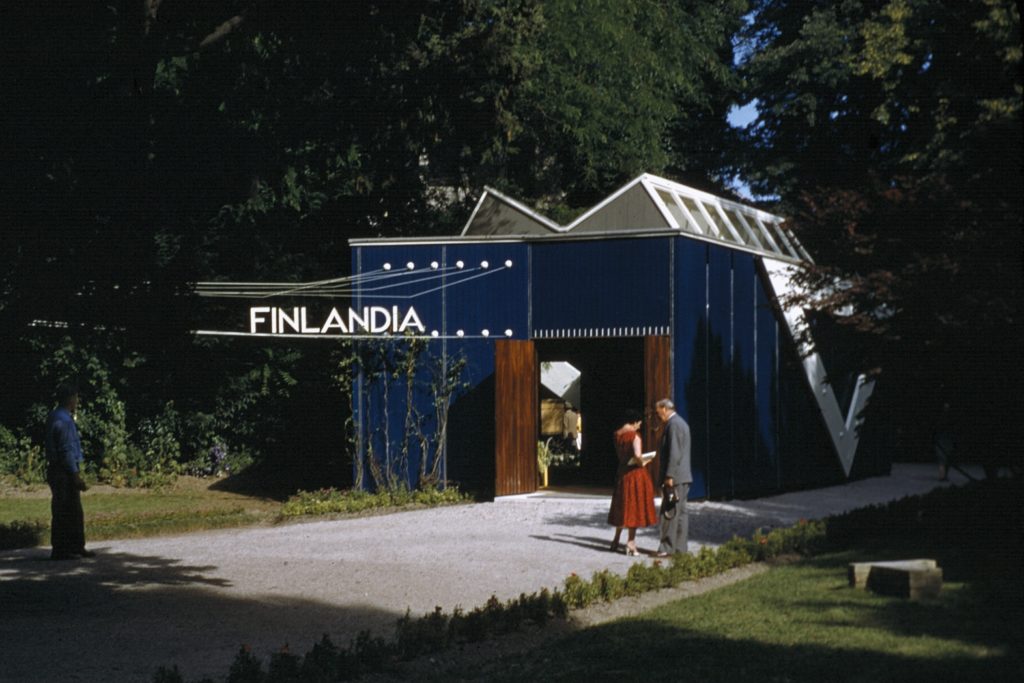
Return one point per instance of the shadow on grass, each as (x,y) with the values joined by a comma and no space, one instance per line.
(119,616)
(268,481)
(653,650)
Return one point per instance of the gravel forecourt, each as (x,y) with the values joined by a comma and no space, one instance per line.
(193,600)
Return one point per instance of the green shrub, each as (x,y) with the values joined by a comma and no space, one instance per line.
(578,592)
(284,667)
(430,633)
(330,501)
(731,555)
(21,458)
(641,578)
(610,586)
(370,653)
(683,568)
(21,534)
(542,606)
(246,668)
(325,662)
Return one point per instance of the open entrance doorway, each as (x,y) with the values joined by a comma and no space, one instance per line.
(599,378)
(614,374)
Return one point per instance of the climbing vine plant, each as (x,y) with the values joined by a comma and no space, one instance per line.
(408,377)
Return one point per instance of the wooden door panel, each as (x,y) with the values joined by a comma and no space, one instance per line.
(516,412)
(657,385)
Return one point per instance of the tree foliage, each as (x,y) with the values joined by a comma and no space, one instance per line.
(149,144)
(890,130)
(154,143)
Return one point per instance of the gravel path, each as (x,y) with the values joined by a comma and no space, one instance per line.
(193,600)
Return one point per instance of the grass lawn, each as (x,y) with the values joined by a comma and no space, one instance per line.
(802,622)
(188,505)
(798,622)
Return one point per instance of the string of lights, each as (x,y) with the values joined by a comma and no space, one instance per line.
(385,278)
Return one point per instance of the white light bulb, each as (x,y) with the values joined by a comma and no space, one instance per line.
(434,333)
(485,264)
(461,333)
(486,333)
(459,264)
(508,333)
(433,265)
(508,263)
(387,266)
(410,265)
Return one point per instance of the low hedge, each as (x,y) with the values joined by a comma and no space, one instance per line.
(331,501)
(20,534)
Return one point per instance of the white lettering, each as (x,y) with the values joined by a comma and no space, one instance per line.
(306,329)
(368,320)
(255,318)
(379,324)
(354,318)
(411,320)
(334,320)
(284,319)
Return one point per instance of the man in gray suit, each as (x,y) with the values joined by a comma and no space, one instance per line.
(676,478)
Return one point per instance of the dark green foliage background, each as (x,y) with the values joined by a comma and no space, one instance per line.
(150,145)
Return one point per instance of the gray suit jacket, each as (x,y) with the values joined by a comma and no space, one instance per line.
(675,451)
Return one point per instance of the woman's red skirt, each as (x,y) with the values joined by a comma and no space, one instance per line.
(633,500)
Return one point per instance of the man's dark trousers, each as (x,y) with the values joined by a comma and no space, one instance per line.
(67,530)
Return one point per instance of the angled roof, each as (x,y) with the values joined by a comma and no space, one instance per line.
(498,214)
(644,203)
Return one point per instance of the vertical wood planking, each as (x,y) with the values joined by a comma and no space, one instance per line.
(657,385)
(516,412)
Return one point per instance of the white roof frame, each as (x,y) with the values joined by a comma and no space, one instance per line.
(753,223)
(716,218)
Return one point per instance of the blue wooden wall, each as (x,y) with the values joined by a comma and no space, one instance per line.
(736,376)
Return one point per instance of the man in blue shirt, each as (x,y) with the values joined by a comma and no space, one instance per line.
(64,475)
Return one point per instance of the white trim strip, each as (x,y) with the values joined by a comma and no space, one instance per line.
(599,332)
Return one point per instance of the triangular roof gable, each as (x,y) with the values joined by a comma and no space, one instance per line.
(631,207)
(497,214)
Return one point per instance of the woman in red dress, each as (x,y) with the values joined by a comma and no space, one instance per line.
(633,499)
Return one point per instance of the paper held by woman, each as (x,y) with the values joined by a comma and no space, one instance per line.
(643,458)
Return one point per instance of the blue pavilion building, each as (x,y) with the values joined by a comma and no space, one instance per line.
(658,291)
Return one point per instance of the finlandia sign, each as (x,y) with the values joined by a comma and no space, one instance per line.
(367,320)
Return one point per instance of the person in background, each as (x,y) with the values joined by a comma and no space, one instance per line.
(676,478)
(633,498)
(64,475)
(570,428)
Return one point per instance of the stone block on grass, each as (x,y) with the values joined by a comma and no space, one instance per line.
(911,579)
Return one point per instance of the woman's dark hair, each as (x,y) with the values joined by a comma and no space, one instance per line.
(630,416)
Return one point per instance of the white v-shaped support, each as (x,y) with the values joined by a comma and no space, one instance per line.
(842,429)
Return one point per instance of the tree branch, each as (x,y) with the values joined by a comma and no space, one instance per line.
(222,31)
(151,8)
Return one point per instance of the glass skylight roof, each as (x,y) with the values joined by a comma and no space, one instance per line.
(706,215)
(679,207)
